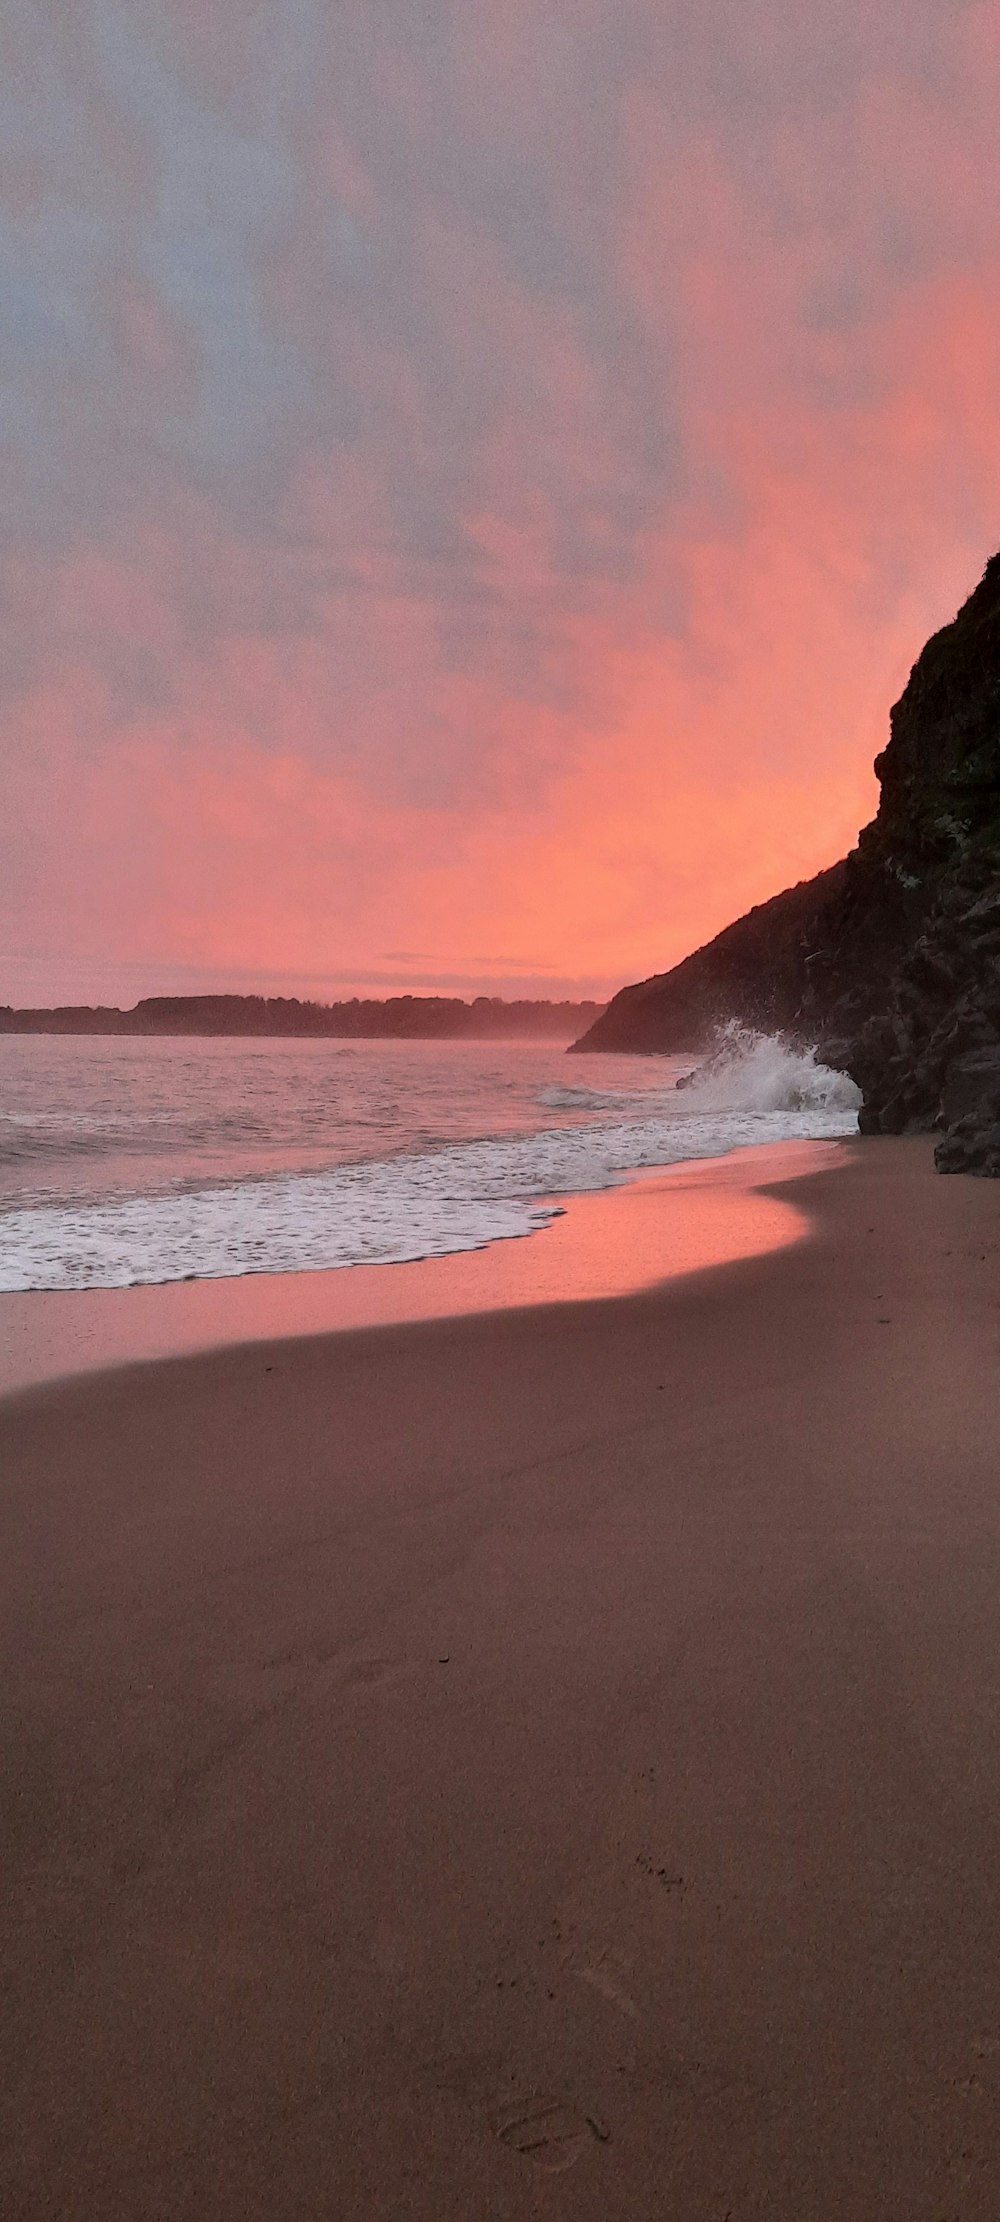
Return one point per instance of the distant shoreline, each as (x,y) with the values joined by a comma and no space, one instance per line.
(395,1018)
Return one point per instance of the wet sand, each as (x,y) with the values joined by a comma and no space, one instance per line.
(545,1764)
(611,1243)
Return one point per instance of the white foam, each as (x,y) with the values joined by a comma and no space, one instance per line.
(749,1071)
(422,1204)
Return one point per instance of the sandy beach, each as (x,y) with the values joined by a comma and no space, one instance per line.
(675,1220)
(534,1764)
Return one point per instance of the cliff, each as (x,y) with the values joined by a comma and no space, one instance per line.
(889,963)
(905,979)
(754,971)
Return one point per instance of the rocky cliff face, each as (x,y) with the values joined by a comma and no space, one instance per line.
(904,986)
(754,971)
(890,963)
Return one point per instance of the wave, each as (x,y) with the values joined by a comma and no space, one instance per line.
(418,1204)
(749,1071)
(569,1098)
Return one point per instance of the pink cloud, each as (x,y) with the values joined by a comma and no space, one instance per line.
(637,447)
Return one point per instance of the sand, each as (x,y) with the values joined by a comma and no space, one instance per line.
(612,1243)
(544,1764)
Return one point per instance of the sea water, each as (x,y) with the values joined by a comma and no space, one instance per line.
(138,1161)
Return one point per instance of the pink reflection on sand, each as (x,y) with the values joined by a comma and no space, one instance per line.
(616,1243)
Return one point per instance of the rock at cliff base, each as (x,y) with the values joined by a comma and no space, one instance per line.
(970,1147)
(971,1082)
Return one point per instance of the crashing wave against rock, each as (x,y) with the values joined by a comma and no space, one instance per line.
(750,1071)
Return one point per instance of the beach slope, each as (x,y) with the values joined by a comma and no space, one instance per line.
(546,1764)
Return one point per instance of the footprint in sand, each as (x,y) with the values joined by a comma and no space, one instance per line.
(547,2132)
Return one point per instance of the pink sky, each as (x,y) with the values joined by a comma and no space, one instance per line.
(475,476)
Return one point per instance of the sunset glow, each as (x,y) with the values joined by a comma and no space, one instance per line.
(475,478)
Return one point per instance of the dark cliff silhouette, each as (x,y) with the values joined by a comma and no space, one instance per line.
(754,971)
(890,962)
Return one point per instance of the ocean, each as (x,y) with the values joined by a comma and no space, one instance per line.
(129,1162)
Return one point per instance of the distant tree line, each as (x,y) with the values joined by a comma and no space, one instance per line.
(397,1017)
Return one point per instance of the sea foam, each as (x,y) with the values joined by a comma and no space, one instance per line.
(750,1071)
(426,1201)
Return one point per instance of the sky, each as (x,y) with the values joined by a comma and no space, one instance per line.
(475,474)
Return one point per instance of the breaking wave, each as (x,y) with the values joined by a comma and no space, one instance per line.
(432,1195)
(747,1071)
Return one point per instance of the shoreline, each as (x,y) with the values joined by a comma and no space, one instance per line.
(537,1761)
(654,1225)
